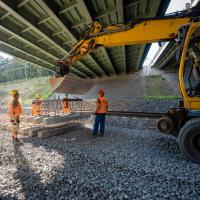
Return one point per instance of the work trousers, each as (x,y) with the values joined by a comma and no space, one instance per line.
(99,121)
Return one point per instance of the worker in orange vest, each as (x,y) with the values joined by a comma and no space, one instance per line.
(36,106)
(65,105)
(14,111)
(101,110)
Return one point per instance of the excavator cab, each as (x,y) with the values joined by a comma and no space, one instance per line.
(184,120)
(189,70)
(192,66)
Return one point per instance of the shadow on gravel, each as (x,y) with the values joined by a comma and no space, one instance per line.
(30,182)
(62,180)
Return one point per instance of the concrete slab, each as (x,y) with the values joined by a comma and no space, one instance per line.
(25,130)
(57,131)
(29,119)
(23,118)
(34,131)
(49,120)
(8,127)
(37,120)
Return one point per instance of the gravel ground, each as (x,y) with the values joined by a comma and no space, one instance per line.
(124,164)
(131,105)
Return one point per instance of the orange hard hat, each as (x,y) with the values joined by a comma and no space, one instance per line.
(101,91)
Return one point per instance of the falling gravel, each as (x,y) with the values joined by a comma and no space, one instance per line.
(124,164)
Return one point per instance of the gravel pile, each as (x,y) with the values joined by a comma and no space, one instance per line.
(124,164)
(132,105)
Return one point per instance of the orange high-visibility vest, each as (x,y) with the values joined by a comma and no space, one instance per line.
(65,106)
(102,105)
(36,109)
(14,111)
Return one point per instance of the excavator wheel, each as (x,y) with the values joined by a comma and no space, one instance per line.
(189,140)
(165,125)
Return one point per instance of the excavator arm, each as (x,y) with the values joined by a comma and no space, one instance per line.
(146,31)
(95,35)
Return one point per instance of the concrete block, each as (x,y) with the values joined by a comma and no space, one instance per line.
(29,119)
(25,130)
(37,120)
(21,127)
(23,118)
(63,119)
(49,120)
(1,126)
(34,131)
(8,127)
(4,126)
(57,131)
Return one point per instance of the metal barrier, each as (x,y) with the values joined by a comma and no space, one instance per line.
(53,107)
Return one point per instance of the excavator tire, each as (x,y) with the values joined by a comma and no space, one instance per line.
(189,140)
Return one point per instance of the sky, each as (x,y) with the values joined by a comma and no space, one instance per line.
(4,55)
(175,5)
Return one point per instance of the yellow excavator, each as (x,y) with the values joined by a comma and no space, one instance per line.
(184,27)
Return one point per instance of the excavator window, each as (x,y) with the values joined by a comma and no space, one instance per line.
(192,66)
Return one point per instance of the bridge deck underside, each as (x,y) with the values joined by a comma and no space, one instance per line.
(43,31)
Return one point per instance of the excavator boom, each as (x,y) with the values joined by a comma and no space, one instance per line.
(145,32)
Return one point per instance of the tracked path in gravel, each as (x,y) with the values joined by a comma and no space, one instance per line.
(125,164)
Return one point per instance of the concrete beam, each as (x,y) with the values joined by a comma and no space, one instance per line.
(134,3)
(60,23)
(33,26)
(90,20)
(43,20)
(4,16)
(28,54)
(68,7)
(78,24)
(25,30)
(57,131)
(119,5)
(22,3)
(62,26)
(57,33)
(105,12)
(44,37)
(9,50)
(27,42)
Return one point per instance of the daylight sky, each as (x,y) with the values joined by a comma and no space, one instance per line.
(175,5)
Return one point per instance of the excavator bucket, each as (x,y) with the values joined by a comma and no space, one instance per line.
(70,84)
